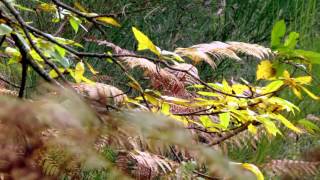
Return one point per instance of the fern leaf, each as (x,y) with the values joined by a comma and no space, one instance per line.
(159,77)
(254,50)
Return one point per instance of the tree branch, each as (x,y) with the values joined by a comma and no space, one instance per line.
(229,135)
(24,65)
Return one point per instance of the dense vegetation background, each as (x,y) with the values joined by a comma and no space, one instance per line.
(183,23)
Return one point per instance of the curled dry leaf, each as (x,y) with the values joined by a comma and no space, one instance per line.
(102,94)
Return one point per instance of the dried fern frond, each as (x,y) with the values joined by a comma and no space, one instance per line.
(101,94)
(293,168)
(254,50)
(216,51)
(160,78)
(144,165)
(204,52)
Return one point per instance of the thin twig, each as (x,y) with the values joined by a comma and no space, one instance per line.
(61,27)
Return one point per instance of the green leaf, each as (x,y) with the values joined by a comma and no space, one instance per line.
(224,119)
(5,29)
(60,50)
(273,86)
(65,62)
(291,40)
(75,23)
(109,20)
(144,42)
(278,31)
(312,57)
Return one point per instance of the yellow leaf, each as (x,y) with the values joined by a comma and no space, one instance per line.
(304,79)
(53,74)
(313,96)
(207,123)
(144,42)
(135,85)
(273,86)
(297,92)
(209,94)
(79,71)
(285,122)
(239,89)
(86,80)
(47,7)
(109,20)
(154,101)
(80,7)
(226,87)
(35,55)
(92,70)
(165,108)
(269,125)
(224,119)
(254,169)
(252,129)
(265,70)
(286,74)
(286,104)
